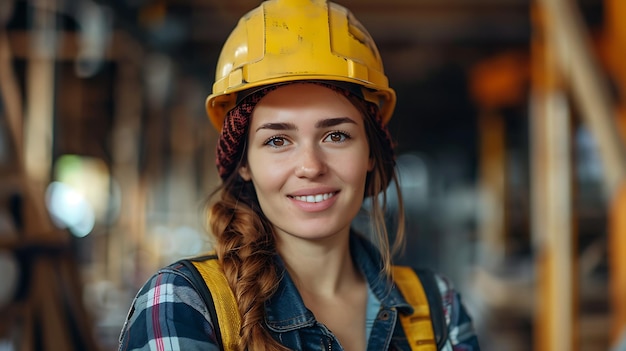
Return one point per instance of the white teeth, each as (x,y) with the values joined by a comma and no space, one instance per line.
(314,198)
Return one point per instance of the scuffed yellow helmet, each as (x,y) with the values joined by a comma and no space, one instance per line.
(289,40)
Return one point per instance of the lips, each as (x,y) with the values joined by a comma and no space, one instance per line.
(313,198)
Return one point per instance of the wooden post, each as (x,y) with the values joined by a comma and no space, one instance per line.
(551,194)
(617,263)
(616,38)
(565,33)
(40,94)
(615,25)
(495,83)
(126,235)
(50,315)
(11,97)
(493,188)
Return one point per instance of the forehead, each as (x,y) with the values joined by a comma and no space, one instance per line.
(301,98)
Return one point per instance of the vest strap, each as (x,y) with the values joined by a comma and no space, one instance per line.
(417,327)
(228,316)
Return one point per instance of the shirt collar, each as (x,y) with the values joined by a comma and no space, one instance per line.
(367,258)
(285,310)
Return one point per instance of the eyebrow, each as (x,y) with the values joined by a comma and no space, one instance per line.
(277,126)
(331,122)
(325,123)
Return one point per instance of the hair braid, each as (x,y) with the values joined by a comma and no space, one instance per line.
(245,246)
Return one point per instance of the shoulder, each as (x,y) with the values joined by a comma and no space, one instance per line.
(461,334)
(170,285)
(168,310)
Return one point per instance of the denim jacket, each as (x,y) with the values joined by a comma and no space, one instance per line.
(168,313)
(295,326)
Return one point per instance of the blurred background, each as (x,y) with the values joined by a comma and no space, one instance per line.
(511,133)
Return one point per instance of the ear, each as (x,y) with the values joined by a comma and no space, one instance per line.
(244,172)
(370,164)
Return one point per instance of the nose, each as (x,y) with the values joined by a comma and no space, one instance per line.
(310,163)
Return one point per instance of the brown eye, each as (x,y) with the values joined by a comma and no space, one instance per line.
(276,141)
(336,137)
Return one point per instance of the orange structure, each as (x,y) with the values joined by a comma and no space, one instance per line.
(615,52)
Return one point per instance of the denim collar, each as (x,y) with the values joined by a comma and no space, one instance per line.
(285,310)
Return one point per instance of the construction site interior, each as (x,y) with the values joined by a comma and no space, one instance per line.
(511,147)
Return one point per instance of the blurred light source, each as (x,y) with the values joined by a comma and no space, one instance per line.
(81,195)
(69,209)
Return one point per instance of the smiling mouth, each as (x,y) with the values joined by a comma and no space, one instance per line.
(314,198)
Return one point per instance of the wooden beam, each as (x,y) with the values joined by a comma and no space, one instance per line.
(11,98)
(615,40)
(565,32)
(492,225)
(551,196)
(496,83)
(40,98)
(615,35)
(617,263)
(122,46)
(128,232)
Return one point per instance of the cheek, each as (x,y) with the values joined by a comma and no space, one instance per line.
(357,167)
(266,175)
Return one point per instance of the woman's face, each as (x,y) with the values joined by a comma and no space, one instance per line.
(308,158)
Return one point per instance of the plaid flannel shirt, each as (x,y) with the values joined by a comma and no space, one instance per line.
(168,314)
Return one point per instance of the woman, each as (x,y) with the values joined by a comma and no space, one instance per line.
(301,102)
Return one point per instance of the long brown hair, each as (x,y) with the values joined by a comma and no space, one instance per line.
(245,242)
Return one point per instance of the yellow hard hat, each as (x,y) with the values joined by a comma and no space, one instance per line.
(288,40)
